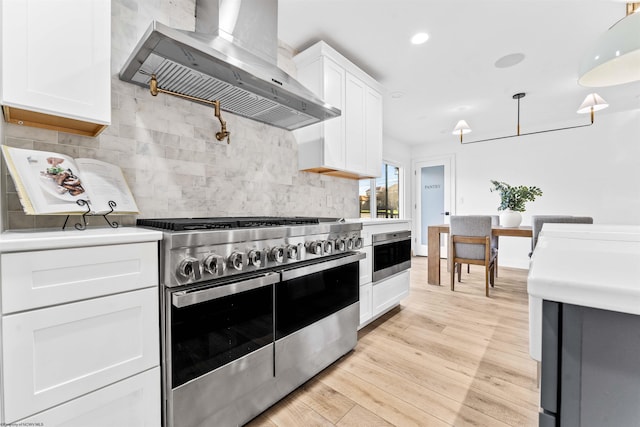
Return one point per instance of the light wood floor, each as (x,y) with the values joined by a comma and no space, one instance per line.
(441,359)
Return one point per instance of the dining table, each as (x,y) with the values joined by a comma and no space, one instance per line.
(433,245)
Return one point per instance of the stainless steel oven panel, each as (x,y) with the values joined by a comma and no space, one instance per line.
(321,266)
(194,296)
(304,353)
(391,254)
(187,239)
(378,239)
(175,256)
(390,271)
(229,396)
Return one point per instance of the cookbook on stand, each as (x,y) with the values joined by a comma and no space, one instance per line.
(53,184)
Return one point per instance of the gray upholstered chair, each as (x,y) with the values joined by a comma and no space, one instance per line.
(470,243)
(538,220)
(495,220)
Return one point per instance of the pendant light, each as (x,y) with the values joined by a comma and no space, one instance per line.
(615,57)
(461,128)
(593,102)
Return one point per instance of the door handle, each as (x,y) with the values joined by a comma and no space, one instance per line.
(445,213)
(182,299)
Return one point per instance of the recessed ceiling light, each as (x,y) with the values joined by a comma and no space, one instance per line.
(509,60)
(397,95)
(419,38)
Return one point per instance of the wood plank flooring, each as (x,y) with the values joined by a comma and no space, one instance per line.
(440,359)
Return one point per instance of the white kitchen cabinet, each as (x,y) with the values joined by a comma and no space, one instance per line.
(327,141)
(76,348)
(56,71)
(350,145)
(51,277)
(80,328)
(373,132)
(366,303)
(377,298)
(356,158)
(365,285)
(389,292)
(365,264)
(134,401)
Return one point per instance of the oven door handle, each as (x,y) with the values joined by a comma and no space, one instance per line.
(186,298)
(321,266)
(382,239)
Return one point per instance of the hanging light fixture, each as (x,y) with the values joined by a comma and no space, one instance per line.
(615,57)
(593,102)
(461,128)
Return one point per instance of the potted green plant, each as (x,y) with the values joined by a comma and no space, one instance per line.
(512,200)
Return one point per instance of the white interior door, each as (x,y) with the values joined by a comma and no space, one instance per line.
(434,199)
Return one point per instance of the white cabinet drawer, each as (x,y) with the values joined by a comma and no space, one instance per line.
(56,354)
(44,278)
(389,292)
(131,402)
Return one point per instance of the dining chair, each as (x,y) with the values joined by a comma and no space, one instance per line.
(538,220)
(495,220)
(470,243)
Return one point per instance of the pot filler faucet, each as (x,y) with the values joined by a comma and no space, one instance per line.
(222,134)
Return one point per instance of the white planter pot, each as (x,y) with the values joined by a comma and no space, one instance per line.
(509,218)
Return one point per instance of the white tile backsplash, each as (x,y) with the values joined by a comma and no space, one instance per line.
(168,152)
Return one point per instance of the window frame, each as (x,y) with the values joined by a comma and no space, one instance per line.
(373,202)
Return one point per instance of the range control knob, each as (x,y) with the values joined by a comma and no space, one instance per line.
(339,245)
(257,258)
(349,244)
(189,268)
(214,264)
(327,246)
(358,243)
(293,252)
(235,260)
(315,247)
(277,254)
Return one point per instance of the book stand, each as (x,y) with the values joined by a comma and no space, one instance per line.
(83,225)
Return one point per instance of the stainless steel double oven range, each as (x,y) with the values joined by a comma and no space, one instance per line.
(251,309)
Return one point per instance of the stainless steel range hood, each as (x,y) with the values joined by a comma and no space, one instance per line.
(231,57)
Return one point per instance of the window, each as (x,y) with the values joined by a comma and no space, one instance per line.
(384,200)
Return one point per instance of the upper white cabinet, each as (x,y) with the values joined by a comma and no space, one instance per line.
(55,61)
(373,131)
(349,145)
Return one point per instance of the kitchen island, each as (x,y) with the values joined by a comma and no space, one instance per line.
(587,278)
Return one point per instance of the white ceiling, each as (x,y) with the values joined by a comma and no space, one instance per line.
(452,76)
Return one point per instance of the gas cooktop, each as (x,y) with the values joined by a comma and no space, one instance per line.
(215,223)
(199,249)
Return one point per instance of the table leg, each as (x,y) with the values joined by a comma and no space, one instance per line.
(433,260)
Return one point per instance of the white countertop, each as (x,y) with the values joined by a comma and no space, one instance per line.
(30,240)
(374,221)
(592,231)
(589,265)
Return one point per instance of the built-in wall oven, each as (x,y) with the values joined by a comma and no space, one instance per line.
(391,253)
(247,322)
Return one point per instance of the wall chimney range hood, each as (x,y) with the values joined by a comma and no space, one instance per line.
(231,57)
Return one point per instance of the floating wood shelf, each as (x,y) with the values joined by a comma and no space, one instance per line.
(22,117)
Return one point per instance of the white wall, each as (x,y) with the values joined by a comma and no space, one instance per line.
(591,171)
(399,154)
